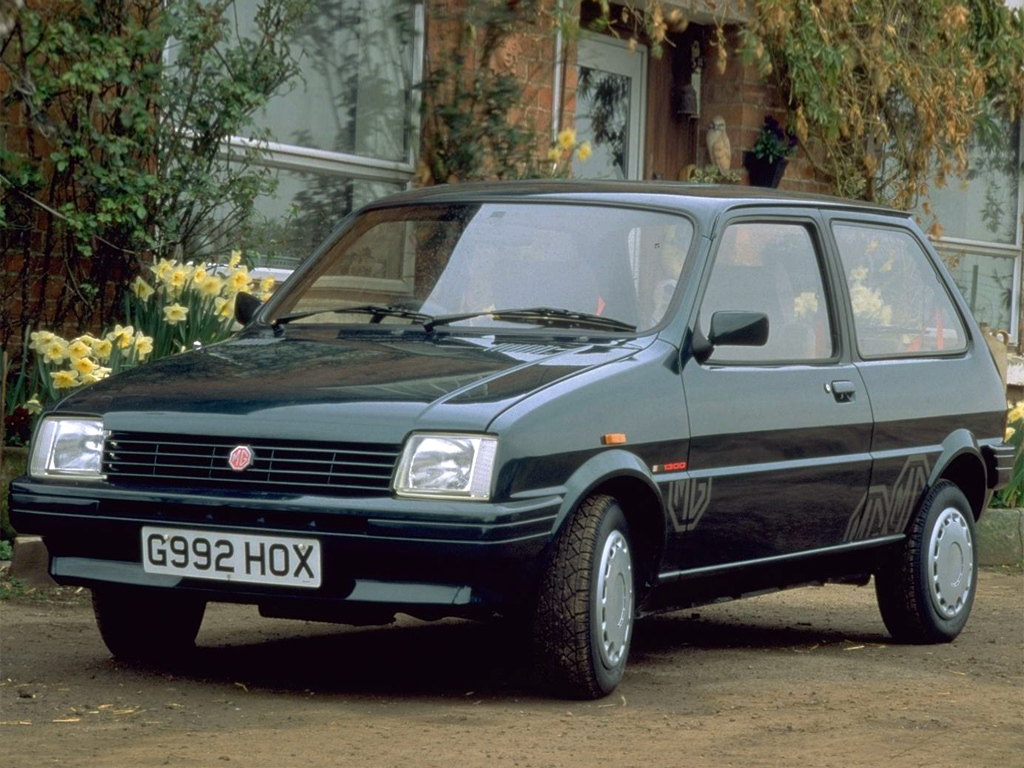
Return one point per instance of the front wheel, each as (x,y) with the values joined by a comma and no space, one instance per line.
(147,625)
(926,594)
(584,617)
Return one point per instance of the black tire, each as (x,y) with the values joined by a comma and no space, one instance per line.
(925,595)
(575,655)
(147,625)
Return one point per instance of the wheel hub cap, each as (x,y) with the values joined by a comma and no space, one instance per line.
(951,563)
(615,599)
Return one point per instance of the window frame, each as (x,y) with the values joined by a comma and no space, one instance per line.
(300,159)
(1013,251)
(811,221)
(938,268)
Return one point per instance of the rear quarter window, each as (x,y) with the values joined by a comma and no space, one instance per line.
(900,306)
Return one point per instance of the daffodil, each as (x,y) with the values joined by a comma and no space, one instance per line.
(198,275)
(143,346)
(162,269)
(78,349)
(64,379)
(177,279)
(1010,432)
(554,154)
(1016,413)
(235,260)
(887,267)
(175,313)
(55,350)
(566,138)
(210,286)
(583,151)
(805,304)
(40,339)
(267,284)
(122,336)
(142,289)
(858,274)
(33,406)
(224,307)
(239,280)
(102,348)
(83,365)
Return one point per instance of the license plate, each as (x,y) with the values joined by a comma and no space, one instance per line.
(232,557)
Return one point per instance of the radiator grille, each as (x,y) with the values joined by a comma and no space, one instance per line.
(288,466)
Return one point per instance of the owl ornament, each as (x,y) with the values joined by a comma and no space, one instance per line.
(719,147)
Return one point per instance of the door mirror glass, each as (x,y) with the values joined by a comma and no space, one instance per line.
(246,306)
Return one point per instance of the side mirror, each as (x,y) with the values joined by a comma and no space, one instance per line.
(738,329)
(246,306)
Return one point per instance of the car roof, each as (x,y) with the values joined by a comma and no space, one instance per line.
(705,199)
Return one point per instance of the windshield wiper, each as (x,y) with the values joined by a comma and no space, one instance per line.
(549,316)
(377,311)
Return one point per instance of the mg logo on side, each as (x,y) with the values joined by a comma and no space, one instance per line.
(240,457)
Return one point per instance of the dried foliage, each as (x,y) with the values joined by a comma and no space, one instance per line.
(886,96)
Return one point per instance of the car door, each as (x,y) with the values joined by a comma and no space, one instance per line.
(780,434)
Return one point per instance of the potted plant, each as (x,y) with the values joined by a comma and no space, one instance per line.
(766,162)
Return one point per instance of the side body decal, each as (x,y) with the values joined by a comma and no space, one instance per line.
(686,501)
(884,511)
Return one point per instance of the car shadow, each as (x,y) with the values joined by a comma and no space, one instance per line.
(454,658)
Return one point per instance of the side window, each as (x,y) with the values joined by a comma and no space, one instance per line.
(900,306)
(771,268)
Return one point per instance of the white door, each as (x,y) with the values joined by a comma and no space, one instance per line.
(611,89)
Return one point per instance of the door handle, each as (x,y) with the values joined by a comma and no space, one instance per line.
(843,391)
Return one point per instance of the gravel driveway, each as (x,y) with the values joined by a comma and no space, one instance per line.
(803,678)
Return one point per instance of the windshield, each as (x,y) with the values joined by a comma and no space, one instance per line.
(615,264)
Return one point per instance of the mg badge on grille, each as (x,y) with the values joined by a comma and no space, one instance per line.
(240,457)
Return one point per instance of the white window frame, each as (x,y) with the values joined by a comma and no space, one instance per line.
(1013,251)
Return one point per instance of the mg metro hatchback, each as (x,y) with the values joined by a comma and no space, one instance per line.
(570,404)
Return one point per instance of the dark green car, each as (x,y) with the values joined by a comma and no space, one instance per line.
(570,404)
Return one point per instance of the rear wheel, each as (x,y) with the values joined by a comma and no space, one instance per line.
(147,625)
(926,594)
(584,617)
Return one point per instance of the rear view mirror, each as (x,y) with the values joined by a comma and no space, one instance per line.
(738,329)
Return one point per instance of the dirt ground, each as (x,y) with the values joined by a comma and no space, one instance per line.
(803,678)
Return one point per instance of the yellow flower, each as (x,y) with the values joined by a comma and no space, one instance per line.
(33,406)
(83,365)
(56,350)
(235,260)
(1016,413)
(122,336)
(198,275)
(583,152)
(177,279)
(142,289)
(239,280)
(102,348)
(1010,432)
(887,267)
(267,284)
(162,269)
(40,339)
(64,379)
(78,349)
(175,313)
(554,154)
(224,307)
(858,274)
(566,138)
(210,286)
(143,346)
(98,374)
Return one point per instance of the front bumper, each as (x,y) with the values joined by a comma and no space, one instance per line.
(390,554)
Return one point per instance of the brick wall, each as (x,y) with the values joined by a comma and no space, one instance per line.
(739,95)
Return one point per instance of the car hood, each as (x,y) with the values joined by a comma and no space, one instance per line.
(313,384)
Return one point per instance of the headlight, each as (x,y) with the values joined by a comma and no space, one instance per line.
(67,448)
(447,466)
